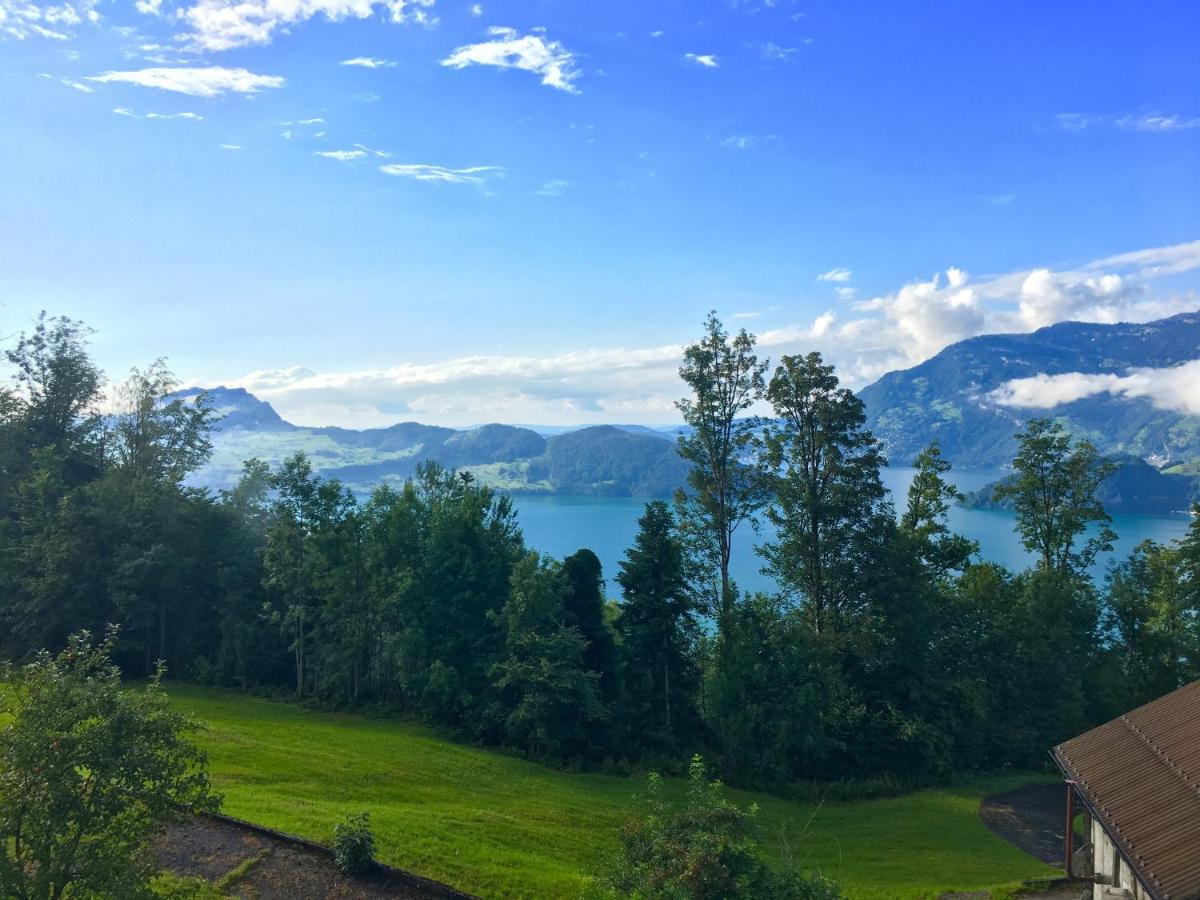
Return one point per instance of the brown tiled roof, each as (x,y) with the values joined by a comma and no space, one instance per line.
(1140,774)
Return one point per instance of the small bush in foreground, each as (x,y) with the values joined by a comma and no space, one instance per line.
(704,850)
(354,844)
(88,771)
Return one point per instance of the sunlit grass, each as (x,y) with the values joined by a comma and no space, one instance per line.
(501,827)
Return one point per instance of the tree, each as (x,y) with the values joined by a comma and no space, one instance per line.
(830,508)
(924,518)
(553,700)
(299,545)
(726,381)
(58,387)
(157,436)
(658,637)
(88,770)
(584,607)
(1054,495)
(1152,624)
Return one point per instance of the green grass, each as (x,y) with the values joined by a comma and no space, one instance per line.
(501,827)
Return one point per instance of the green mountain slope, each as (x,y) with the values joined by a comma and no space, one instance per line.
(947,397)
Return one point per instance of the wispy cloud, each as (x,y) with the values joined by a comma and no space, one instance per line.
(556,187)
(530,53)
(343,155)
(840,274)
(22,19)
(772,52)
(1151,122)
(705,60)
(130,114)
(476,10)
(211,81)
(368,62)
(476,175)
(226,24)
(233,147)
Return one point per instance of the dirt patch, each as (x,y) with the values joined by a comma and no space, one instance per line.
(1032,818)
(273,868)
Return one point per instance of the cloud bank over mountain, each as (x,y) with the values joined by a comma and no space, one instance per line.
(640,384)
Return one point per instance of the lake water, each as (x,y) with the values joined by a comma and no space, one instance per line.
(560,525)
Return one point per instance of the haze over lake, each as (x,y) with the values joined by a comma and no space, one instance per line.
(560,525)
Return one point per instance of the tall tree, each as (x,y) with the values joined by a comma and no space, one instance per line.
(584,606)
(830,508)
(725,489)
(1054,495)
(924,518)
(658,637)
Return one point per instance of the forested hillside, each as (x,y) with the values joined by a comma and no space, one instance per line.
(949,397)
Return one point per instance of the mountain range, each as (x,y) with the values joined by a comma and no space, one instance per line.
(601,460)
(950,397)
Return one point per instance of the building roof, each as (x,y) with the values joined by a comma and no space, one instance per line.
(1140,775)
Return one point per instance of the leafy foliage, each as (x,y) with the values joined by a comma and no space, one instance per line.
(87,771)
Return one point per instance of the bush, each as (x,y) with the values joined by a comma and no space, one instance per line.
(354,844)
(702,851)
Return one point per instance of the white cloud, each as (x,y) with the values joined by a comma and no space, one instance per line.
(554,188)
(529,53)
(342,155)
(1175,388)
(893,330)
(840,274)
(149,8)
(600,385)
(367,62)
(79,86)
(381,153)
(22,19)
(706,60)
(476,10)
(420,172)
(226,24)
(233,147)
(211,81)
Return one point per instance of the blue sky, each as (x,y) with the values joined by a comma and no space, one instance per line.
(519,211)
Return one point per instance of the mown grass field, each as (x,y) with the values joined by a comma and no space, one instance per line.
(501,827)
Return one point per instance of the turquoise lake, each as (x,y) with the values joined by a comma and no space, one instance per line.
(560,525)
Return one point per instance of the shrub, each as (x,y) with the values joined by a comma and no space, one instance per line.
(702,851)
(354,844)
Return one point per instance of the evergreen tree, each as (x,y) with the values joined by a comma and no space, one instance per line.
(658,638)
(585,609)
(924,518)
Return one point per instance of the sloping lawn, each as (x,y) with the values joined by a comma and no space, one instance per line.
(501,827)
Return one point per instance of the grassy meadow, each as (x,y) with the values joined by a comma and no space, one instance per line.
(502,827)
